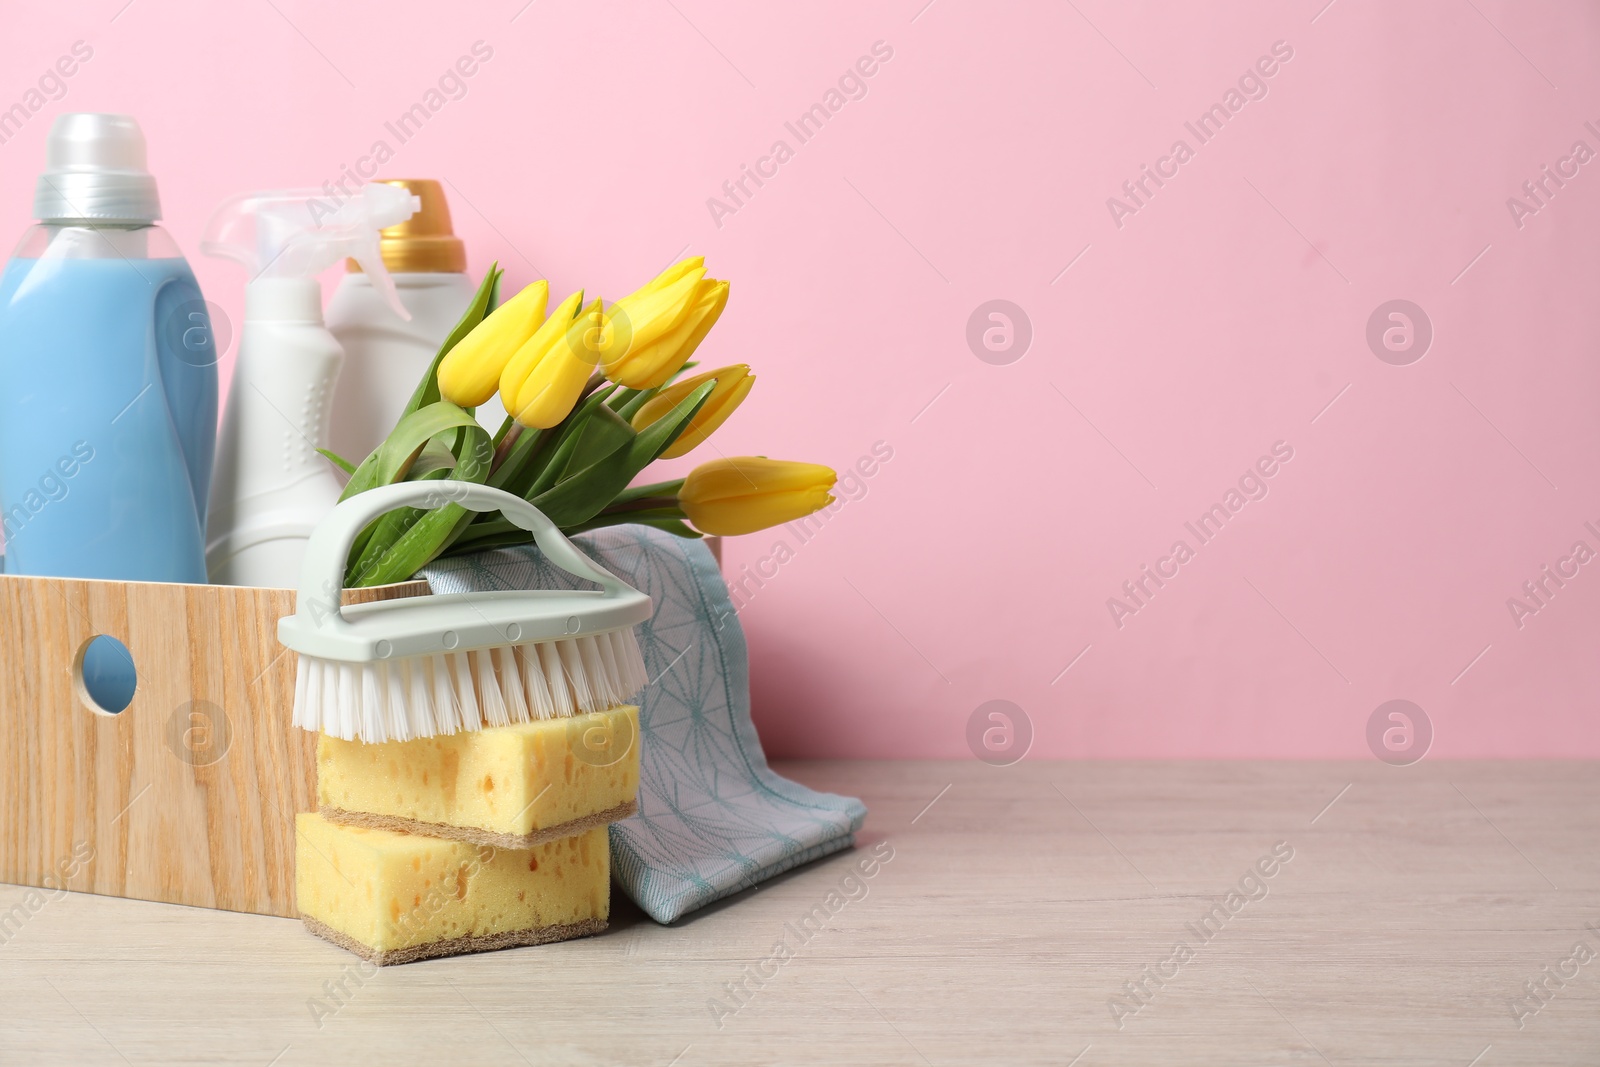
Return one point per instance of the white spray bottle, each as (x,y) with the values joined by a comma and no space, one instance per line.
(271,486)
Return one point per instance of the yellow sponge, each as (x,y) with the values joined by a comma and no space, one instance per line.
(508,786)
(393,898)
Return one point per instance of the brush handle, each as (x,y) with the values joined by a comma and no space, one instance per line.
(322,573)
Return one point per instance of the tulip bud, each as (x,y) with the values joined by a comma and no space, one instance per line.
(657,307)
(596,335)
(654,331)
(544,379)
(749,493)
(469,374)
(729,392)
(677,270)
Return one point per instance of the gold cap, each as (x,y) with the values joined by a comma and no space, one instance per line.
(424,242)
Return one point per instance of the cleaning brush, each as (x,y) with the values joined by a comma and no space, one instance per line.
(423,666)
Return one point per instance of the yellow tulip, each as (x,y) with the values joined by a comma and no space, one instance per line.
(592,334)
(729,392)
(677,270)
(656,306)
(543,380)
(658,361)
(469,374)
(652,333)
(749,493)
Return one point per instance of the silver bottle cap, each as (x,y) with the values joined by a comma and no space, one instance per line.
(95,169)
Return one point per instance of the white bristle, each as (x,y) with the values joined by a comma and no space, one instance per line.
(608,673)
(489,695)
(419,697)
(302,683)
(560,695)
(428,696)
(616,660)
(577,681)
(424,722)
(396,699)
(538,690)
(626,686)
(511,684)
(373,689)
(594,672)
(461,672)
(631,661)
(361,703)
(446,708)
(328,673)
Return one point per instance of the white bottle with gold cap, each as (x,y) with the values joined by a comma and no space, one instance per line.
(384,358)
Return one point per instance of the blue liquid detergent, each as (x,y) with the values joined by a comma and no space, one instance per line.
(107,418)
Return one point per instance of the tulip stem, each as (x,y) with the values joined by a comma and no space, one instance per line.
(668,490)
(644,503)
(669,520)
(504,448)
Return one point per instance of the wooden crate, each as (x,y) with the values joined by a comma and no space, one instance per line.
(188,795)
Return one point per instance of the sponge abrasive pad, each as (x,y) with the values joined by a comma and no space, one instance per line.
(508,786)
(393,897)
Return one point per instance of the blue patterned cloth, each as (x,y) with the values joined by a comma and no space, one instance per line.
(713,817)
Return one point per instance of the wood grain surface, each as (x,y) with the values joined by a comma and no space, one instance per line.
(1017,902)
(189,794)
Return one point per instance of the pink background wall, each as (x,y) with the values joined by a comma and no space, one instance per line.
(1229,312)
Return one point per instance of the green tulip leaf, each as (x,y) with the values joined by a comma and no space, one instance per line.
(580,496)
(436,460)
(435,456)
(627,402)
(391,460)
(623,397)
(496,533)
(483,302)
(489,525)
(600,435)
(474,452)
(566,442)
(337,460)
(417,546)
(659,435)
(380,535)
(519,467)
(405,540)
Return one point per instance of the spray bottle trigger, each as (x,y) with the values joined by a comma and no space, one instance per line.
(370,254)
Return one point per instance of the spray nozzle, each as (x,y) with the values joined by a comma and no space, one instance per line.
(299,233)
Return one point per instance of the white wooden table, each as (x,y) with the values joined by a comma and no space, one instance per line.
(1017,904)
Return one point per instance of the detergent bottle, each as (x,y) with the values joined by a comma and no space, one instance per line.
(108,417)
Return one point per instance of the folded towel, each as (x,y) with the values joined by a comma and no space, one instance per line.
(713,817)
